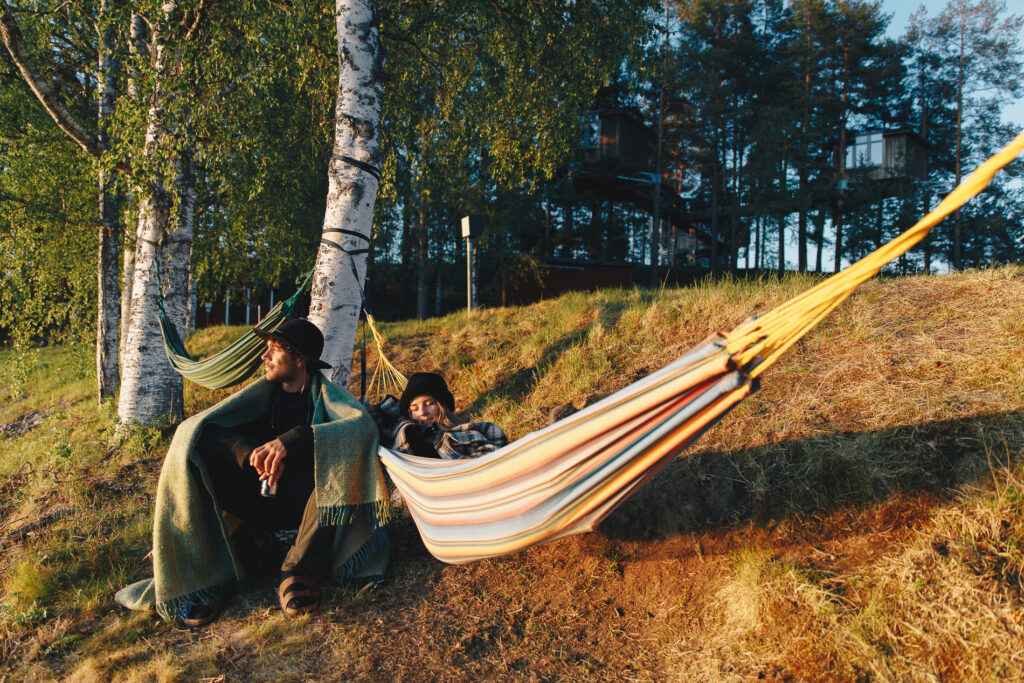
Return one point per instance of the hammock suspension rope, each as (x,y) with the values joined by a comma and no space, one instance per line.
(386,378)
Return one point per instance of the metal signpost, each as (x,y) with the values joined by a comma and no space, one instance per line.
(472,226)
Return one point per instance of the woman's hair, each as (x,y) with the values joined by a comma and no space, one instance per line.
(447,419)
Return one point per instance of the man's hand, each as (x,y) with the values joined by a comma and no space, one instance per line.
(268,460)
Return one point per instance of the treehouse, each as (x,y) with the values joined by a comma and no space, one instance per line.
(613,163)
(886,155)
(617,138)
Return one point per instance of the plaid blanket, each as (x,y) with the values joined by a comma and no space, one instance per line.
(467,440)
(193,558)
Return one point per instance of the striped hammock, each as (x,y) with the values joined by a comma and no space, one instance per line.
(566,478)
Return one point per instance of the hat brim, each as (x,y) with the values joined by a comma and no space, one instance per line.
(267,336)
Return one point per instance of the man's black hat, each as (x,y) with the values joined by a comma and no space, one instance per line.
(426,384)
(301,336)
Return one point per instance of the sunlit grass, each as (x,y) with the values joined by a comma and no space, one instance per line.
(912,391)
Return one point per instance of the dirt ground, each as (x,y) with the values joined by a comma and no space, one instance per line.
(598,606)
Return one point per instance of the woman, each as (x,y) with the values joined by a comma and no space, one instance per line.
(430,429)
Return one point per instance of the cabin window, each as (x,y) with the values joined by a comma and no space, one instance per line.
(591,130)
(865,152)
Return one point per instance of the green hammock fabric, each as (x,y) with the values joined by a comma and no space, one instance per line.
(236,363)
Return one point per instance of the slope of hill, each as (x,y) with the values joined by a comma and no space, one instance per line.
(860,517)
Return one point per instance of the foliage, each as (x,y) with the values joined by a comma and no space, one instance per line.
(482,106)
(967,60)
(47,234)
(482,109)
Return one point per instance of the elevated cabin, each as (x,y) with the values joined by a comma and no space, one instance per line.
(615,137)
(613,162)
(887,155)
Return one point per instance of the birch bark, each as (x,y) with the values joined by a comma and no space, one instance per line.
(136,47)
(147,390)
(127,280)
(351,191)
(150,387)
(107,313)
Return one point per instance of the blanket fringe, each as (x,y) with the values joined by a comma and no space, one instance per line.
(345,573)
(179,606)
(378,512)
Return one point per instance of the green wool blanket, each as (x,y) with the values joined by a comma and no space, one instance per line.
(193,557)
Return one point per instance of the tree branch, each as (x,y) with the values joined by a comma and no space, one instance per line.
(43,211)
(197,18)
(11,34)
(398,37)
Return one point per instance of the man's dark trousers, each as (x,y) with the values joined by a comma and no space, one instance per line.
(236,483)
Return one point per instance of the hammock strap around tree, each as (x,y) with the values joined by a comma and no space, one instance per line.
(361,165)
(568,476)
(388,370)
(386,379)
(238,361)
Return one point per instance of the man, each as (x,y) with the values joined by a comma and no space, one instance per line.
(291,450)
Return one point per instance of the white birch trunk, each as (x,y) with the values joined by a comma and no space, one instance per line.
(351,191)
(136,47)
(127,281)
(107,313)
(150,387)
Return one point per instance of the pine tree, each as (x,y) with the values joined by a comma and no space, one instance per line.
(974,50)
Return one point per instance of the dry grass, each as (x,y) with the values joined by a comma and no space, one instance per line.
(859,518)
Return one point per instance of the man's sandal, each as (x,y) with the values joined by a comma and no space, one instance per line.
(298,595)
(203,613)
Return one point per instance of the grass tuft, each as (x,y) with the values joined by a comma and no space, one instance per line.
(28,584)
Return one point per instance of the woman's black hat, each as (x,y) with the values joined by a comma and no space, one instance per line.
(301,336)
(426,384)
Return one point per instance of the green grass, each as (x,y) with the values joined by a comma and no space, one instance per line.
(858,517)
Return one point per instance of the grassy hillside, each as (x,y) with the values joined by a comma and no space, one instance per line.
(859,518)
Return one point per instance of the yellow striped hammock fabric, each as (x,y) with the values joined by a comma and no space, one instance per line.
(566,478)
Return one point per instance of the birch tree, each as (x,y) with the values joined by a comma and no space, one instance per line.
(194,57)
(96,143)
(352,184)
(150,387)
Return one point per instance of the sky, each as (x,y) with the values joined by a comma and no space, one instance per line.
(900,10)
